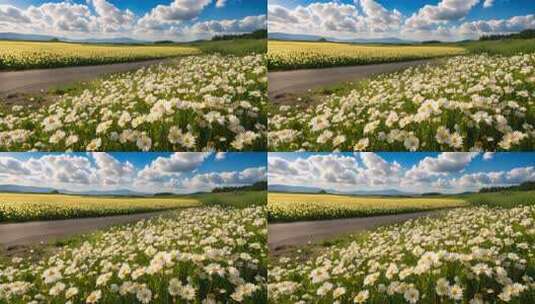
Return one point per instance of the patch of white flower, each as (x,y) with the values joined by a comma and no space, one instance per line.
(206,255)
(467,255)
(195,103)
(468,103)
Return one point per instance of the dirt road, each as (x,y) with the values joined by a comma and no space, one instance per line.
(299,81)
(33,81)
(282,236)
(25,234)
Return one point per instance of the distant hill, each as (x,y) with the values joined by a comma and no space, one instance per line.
(44,190)
(294,189)
(120,192)
(25,189)
(32,37)
(120,40)
(16,36)
(314,190)
(298,37)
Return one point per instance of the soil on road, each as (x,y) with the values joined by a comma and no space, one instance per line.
(15,236)
(300,81)
(284,236)
(34,81)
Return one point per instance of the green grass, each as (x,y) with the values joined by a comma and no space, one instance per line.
(501,47)
(233,199)
(506,199)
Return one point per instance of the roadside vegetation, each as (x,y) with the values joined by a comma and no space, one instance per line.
(469,255)
(466,103)
(201,255)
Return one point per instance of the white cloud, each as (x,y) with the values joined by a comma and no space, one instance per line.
(432,167)
(489,155)
(369,171)
(213,27)
(224,179)
(220,155)
(447,10)
(497,178)
(488,3)
(165,168)
(370,19)
(9,165)
(9,13)
(222,3)
(333,171)
(496,26)
(334,17)
(102,171)
(102,19)
(112,172)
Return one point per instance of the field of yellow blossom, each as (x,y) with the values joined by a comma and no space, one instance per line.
(289,207)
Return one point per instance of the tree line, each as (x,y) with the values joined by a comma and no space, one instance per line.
(258,186)
(526,186)
(526,34)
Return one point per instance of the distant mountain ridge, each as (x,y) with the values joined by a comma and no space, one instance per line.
(314,190)
(299,37)
(32,37)
(45,190)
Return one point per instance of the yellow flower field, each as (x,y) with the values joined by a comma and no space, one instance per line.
(286,55)
(17,55)
(288,207)
(17,207)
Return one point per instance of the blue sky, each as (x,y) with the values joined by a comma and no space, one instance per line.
(414,19)
(409,172)
(500,9)
(234,8)
(179,20)
(146,172)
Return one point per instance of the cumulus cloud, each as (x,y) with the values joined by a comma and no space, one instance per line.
(334,17)
(432,167)
(496,26)
(101,19)
(488,3)
(165,168)
(489,155)
(102,171)
(334,171)
(370,19)
(447,172)
(220,155)
(446,10)
(498,178)
(9,13)
(225,179)
(212,27)
(222,3)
